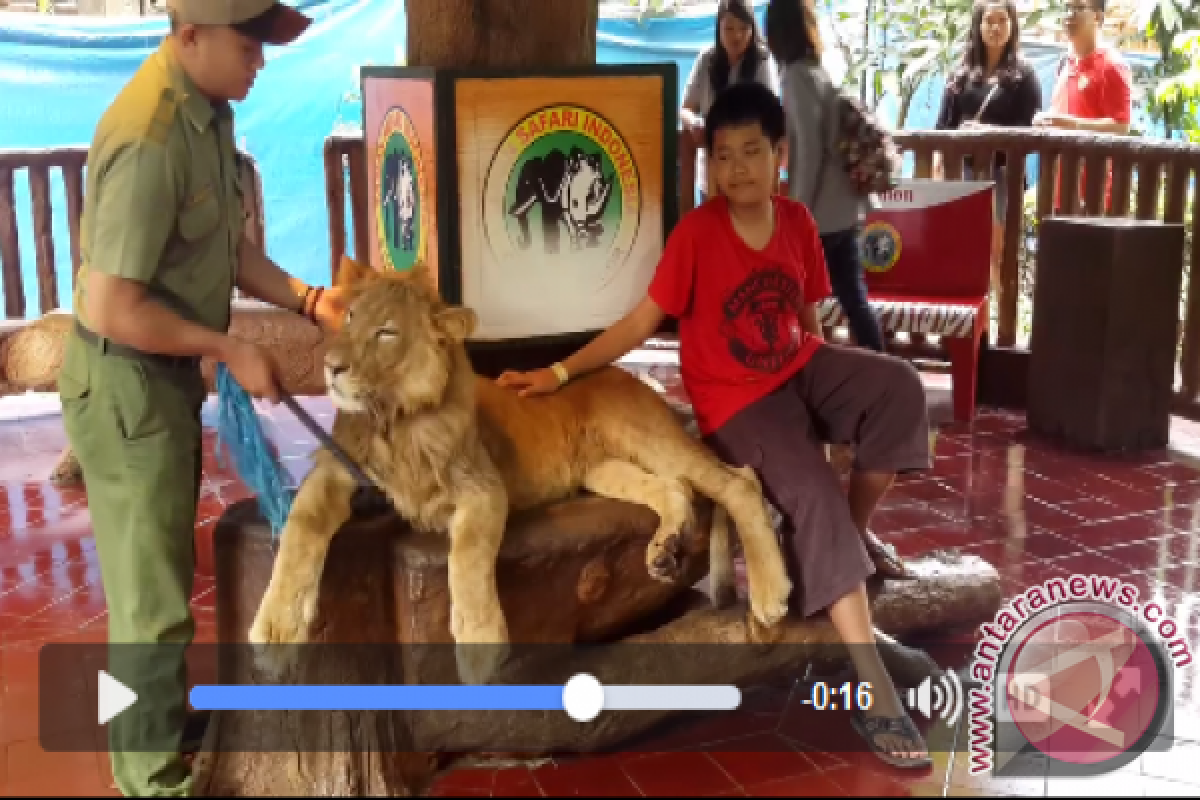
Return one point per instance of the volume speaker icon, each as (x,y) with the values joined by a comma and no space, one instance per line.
(944,697)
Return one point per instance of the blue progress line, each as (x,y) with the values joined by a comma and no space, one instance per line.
(376,698)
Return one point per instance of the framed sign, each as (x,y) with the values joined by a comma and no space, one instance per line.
(549,196)
(400,138)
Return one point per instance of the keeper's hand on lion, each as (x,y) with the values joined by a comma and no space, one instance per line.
(330,309)
(532,383)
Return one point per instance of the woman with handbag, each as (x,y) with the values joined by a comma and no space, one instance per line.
(810,102)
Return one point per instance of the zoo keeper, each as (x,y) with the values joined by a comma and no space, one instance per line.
(163,247)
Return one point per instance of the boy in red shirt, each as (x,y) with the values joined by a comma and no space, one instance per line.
(742,273)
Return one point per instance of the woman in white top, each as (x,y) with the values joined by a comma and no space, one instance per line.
(738,55)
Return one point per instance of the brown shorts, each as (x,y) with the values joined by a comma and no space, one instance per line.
(844,395)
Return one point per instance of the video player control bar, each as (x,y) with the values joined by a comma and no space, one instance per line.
(582,698)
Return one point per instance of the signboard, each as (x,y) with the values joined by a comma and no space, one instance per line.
(541,200)
(930,237)
(401,156)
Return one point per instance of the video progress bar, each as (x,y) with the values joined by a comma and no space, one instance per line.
(582,697)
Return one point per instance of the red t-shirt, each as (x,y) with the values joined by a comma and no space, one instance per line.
(740,336)
(1097,86)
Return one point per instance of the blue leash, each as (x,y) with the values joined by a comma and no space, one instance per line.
(257,462)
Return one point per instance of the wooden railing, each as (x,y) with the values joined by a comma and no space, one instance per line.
(37,164)
(69,162)
(1156,176)
(1151,179)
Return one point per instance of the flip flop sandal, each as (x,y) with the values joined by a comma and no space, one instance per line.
(902,727)
(887,561)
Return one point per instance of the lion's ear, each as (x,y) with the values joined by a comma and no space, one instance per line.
(351,272)
(456,322)
(421,273)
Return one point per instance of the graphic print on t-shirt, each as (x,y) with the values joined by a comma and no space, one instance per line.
(760,320)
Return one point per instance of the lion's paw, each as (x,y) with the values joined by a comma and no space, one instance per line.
(664,558)
(275,640)
(481,647)
(67,473)
(479,663)
(769,596)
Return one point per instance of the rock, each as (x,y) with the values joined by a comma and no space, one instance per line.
(31,357)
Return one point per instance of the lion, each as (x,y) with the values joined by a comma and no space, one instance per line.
(455,453)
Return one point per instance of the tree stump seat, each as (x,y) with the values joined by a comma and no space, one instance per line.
(577,597)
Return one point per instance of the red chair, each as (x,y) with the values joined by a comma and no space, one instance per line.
(927,250)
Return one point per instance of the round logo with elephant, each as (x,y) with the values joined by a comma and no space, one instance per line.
(401,192)
(563,184)
(880,246)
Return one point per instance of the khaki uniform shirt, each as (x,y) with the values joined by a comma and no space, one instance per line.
(163,198)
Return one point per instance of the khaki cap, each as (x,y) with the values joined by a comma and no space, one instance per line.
(268,21)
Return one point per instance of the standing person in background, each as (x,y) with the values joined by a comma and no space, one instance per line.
(993,87)
(1093,90)
(738,55)
(808,95)
(1094,87)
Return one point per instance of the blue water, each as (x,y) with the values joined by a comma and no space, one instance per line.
(58,74)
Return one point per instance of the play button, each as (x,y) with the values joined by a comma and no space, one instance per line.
(112,697)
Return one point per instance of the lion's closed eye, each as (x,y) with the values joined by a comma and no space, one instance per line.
(386,334)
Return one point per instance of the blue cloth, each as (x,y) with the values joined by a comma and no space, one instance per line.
(58,74)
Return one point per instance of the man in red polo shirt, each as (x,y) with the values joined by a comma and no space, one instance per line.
(1093,89)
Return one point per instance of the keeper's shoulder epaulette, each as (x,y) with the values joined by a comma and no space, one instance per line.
(145,110)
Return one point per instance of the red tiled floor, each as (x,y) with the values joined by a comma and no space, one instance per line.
(1031,510)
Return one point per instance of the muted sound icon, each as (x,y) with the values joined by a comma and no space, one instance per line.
(945,698)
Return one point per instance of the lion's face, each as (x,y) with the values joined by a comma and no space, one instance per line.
(395,352)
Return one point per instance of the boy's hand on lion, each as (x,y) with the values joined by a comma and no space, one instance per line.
(530,384)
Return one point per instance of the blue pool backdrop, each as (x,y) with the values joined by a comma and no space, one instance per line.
(58,74)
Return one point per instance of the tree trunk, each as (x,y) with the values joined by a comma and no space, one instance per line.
(502,34)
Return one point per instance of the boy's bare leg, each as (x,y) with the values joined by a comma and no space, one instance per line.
(851,617)
(865,491)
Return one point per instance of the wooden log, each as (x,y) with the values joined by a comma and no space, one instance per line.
(570,573)
(335,200)
(43,237)
(358,202)
(1102,349)
(501,34)
(73,183)
(10,249)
